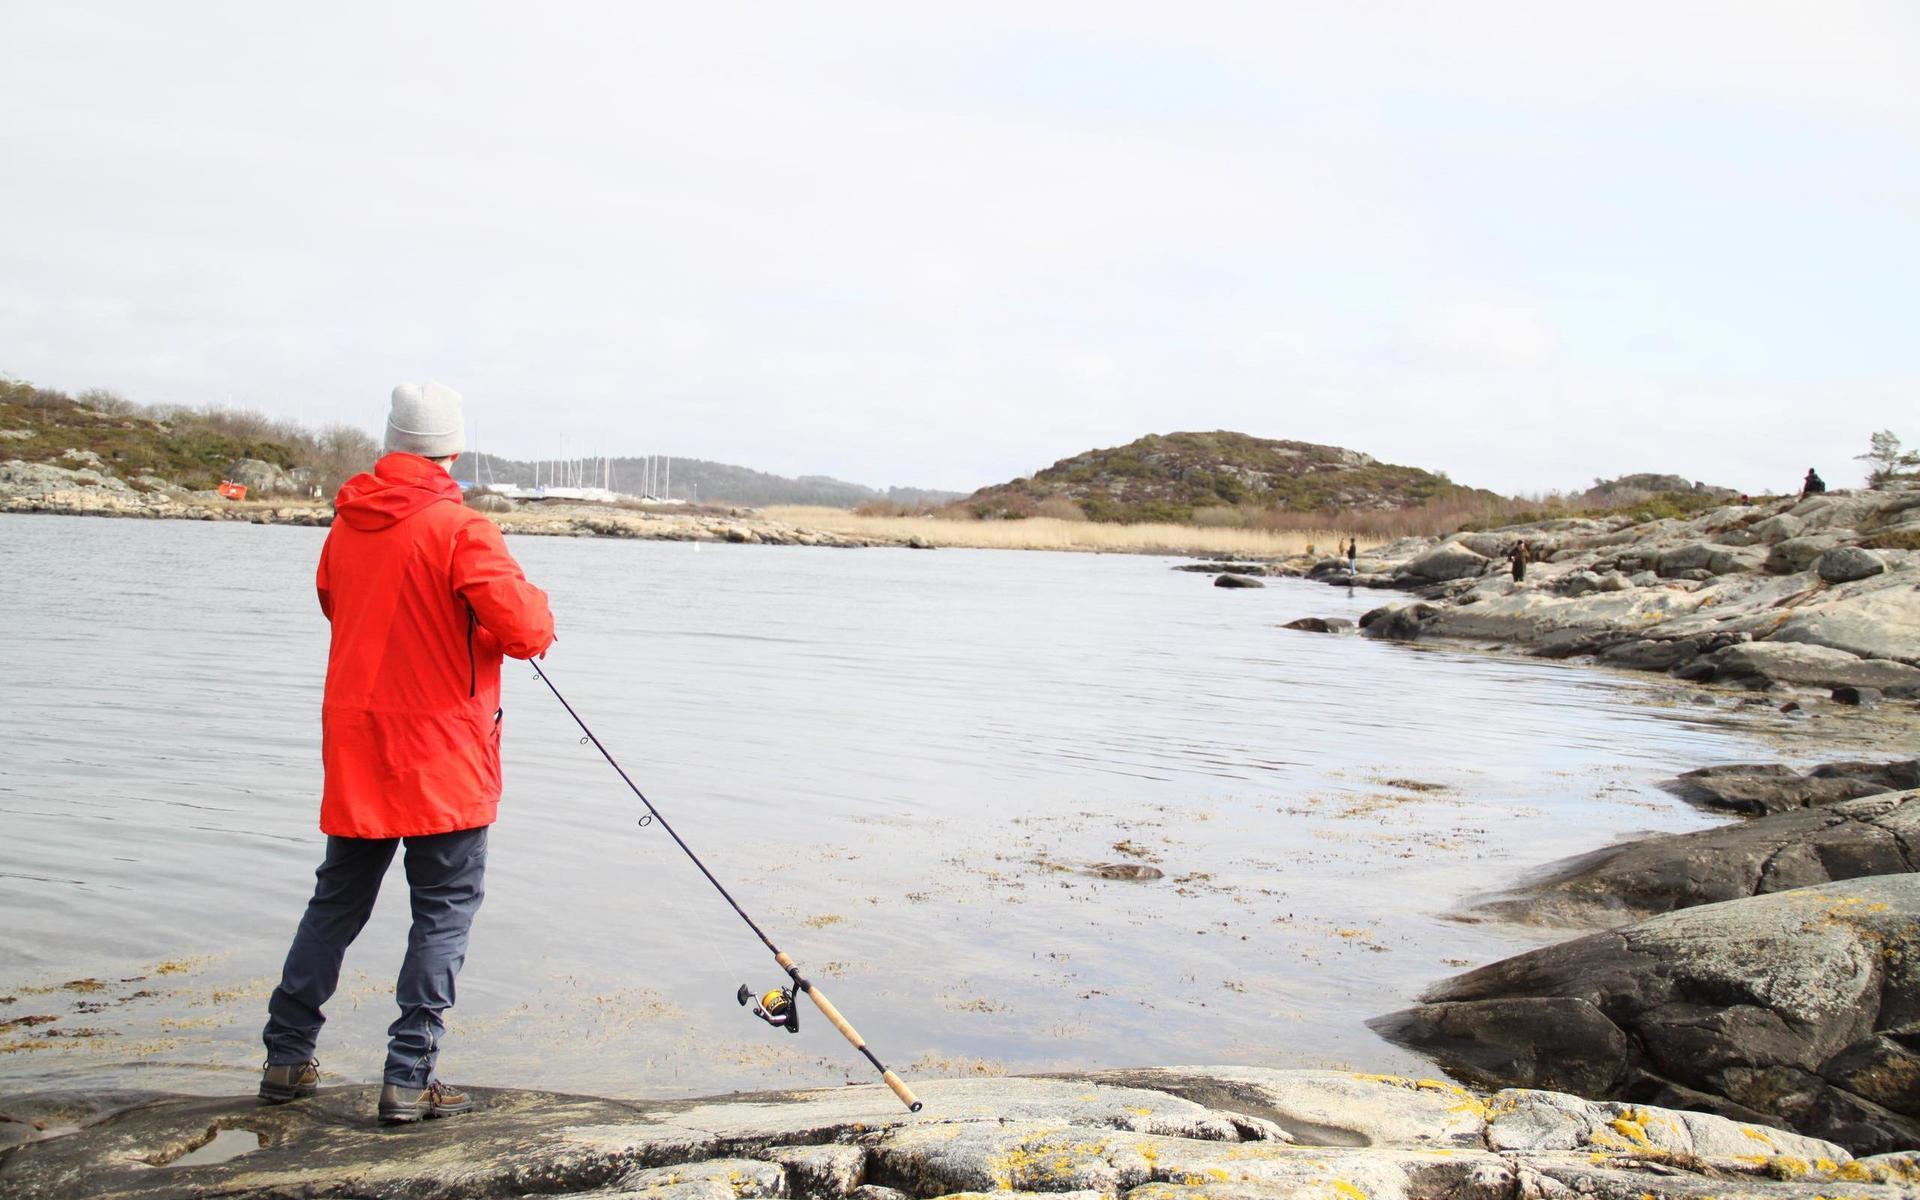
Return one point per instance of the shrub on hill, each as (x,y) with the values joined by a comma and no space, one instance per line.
(189,447)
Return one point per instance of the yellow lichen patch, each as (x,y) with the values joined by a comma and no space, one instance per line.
(1631,1127)
(1896,1171)
(1350,1191)
(1040,1164)
(1758,1135)
(1788,1166)
(1501,1107)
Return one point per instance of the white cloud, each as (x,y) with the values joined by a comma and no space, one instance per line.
(1494,333)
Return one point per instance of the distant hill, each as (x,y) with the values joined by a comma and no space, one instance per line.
(1631,487)
(696,479)
(1170,477)
(195,448)
(171,446)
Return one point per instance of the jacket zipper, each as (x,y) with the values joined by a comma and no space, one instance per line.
(473,664)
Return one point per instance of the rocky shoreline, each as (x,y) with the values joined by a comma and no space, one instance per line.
(88,490)
(1224,1133)
(1817,593)
(1764,970)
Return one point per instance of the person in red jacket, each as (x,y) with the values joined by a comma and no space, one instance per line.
(424,600)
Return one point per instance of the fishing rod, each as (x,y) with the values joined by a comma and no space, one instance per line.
(776,1007)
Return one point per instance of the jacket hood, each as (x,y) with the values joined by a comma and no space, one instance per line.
(399,486)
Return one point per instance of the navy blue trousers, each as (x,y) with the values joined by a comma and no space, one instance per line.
(445,874)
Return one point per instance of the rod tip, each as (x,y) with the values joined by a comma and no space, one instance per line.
(914,1107)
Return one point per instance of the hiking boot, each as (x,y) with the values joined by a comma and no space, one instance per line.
(281,1082)
(404,1106)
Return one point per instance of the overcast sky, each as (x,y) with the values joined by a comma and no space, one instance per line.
(1526,243)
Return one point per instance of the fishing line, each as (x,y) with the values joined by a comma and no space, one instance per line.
(775,1007)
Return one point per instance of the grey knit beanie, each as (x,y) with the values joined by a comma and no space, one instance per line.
(425,419)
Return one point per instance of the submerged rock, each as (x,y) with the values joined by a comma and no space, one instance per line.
(1398,622)
(1137,872)
(1320,625)
(1222,568)
(1800,1007)
(1236,581)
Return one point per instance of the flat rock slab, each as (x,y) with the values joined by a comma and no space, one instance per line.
(1802,847)
(1139,1135)
(1801,1007)
(1756,789)
(1809,665)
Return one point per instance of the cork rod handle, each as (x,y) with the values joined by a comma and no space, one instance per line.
(847,1031)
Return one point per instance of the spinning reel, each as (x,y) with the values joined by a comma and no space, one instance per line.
(775,1007)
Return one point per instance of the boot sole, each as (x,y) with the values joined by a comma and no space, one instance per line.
(415,1116)
(285,1095)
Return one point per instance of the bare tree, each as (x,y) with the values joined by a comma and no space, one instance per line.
(103,401)
(339,453)
(1887,462)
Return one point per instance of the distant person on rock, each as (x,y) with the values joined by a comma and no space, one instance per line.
(1814,485)
(1520,556)
(1353,557)
(424,600)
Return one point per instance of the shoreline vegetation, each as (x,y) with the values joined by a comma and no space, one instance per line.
(1059,533)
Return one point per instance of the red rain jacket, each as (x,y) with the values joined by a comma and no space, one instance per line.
(424,600)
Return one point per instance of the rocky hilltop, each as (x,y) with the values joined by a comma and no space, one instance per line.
(1228,1133)
(1170,477)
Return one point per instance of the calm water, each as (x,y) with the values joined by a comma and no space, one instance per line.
(898,760)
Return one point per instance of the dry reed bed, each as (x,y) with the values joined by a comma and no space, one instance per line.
(1052,533)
